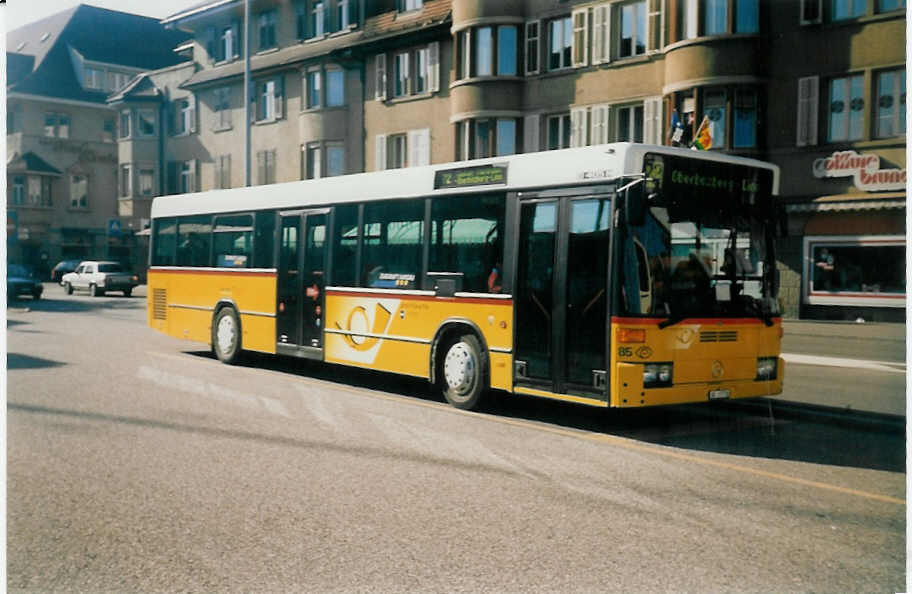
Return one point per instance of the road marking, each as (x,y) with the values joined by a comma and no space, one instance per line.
(622,442)
(886,366)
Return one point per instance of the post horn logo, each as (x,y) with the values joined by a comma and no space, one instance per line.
(717,369)
(358,321)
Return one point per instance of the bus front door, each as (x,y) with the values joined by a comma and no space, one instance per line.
(561,295)
(302,258)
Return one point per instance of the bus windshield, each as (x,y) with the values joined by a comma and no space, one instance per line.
(700,255)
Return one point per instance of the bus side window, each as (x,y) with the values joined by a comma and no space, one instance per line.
(164,242)
(264,240)
(344,245)
(393,244)
(467,238)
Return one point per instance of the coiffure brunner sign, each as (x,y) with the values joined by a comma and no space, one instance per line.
(865,168)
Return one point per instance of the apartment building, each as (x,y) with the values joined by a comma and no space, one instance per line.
(343,86)
(62,157)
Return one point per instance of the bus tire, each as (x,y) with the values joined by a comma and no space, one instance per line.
(462,372)
(226,335)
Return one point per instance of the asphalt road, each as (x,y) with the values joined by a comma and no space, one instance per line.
(138,463)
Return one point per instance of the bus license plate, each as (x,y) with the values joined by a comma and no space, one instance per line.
(719,394)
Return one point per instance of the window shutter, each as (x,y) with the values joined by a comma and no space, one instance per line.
(599,124)
(580,38)
(531,133)
(811,11)
(191,101)
(652,120)
(380,152)
(419,147)
(578,126)
(434,66)
(194,176)
(599,17)
(380,78)
(279,96)
(808,100)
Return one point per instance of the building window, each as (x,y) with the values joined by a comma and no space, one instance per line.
(558,131)
(107,130)
(126,185)
(335,87)
(846,108)
(39,191)
(117,80)
(312,161)
(267,22)
(633,30)
(485,137)
(79,191)
(848,9)
(560,40)
(714,109)
(145,122)
(125,123)
(266,167)
(223,172)
(344,13)
(57,125)
(629,123)
(745,124)
(335,159)
(747,16)
(483,51)
(891,104)
(18,197)
(187,177)
(318,19)
(269,100)
(407,5)
(855,270)
(890,5)
(185,116)
(401,74)
(688,19)
(222,109)
(313,89)
(715,17)
(532,51)
(94,78)
(146,182)
(301,19)
(397,155)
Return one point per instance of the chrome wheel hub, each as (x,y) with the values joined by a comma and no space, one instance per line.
(226,334)
(459,367)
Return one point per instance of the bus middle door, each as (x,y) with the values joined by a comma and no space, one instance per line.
(302,258)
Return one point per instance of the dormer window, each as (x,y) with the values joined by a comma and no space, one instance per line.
(409,5)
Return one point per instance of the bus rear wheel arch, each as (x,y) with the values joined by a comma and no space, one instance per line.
(226,335)
(461,368)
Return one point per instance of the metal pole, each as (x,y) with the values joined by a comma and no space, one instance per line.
(246,93)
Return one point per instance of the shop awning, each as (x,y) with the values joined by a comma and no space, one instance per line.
(851,202)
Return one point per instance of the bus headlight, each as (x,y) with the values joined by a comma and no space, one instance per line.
(766,368)
(657,375)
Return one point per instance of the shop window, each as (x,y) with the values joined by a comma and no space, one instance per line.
(467,240)
(392,246)
(232,241)
(194,236)
(891,104)
(79,191)
(865,269)
(846,109)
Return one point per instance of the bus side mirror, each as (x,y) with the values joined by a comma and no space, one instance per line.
(635,204)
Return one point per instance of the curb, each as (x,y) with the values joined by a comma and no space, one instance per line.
(825,414)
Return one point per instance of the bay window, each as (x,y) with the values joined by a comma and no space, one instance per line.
(846,109)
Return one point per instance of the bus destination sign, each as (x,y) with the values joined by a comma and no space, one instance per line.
(466,177)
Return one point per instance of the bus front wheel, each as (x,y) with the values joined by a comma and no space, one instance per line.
(226,335)
(462,372)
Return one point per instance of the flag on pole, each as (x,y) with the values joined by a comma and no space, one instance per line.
(703,137)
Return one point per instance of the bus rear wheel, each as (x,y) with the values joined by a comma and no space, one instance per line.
(226,335)
(462,372)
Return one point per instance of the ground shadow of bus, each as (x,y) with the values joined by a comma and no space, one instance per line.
(755,428)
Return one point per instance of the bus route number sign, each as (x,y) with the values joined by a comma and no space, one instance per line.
(465,177)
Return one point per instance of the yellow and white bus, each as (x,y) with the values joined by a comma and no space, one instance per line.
(620,275)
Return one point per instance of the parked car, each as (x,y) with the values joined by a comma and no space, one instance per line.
(98,277)
(62,268)
(21,280)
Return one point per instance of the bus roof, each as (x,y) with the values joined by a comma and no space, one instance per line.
(566,167)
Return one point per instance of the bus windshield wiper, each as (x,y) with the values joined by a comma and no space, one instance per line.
(671,321)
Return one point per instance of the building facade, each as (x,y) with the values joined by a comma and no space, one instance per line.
(61,134)
(343,86)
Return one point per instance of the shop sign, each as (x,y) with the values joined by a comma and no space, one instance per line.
(864,168)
